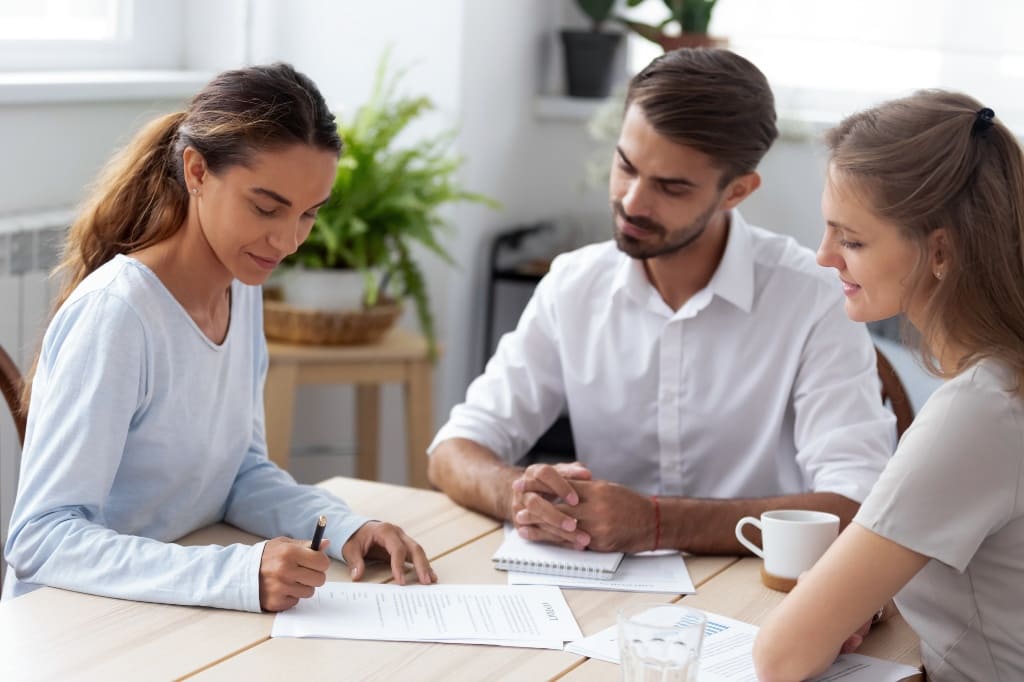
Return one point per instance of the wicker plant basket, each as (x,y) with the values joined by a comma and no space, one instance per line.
(282,322)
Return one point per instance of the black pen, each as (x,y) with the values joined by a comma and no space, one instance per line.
(318,534)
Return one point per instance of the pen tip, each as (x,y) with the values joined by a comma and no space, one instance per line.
(322,521)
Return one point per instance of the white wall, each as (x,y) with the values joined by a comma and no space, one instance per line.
(53,151)
(338,44)
(789,199)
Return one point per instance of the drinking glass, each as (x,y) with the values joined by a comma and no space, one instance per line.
(660,642)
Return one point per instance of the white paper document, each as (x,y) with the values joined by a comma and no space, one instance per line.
(727,655)
(530,616)
(644,572)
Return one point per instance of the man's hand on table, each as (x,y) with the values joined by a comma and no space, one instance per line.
(533,504)
(562,505)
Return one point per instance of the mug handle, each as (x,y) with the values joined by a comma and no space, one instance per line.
(742,538)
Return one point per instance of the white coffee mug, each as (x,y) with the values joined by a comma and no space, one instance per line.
(793,539)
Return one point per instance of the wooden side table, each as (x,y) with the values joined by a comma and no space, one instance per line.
(401,357)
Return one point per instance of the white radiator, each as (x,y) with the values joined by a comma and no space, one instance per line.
(29,248)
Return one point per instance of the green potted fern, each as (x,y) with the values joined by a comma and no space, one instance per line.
(386,199)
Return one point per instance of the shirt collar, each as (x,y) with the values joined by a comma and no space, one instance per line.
(631,279)
(733,279)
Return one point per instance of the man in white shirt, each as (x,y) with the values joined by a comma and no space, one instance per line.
(707,366)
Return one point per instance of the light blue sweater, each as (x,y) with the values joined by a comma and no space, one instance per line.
(142,430)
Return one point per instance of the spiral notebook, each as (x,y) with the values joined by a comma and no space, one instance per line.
(517,554)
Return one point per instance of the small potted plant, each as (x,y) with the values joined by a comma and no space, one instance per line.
(385,200)
(685,26)
(589,55)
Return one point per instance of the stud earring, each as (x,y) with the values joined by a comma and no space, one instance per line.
(195,190)
(939,275)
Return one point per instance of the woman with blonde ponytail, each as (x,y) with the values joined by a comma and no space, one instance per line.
(145,416)
(924,212)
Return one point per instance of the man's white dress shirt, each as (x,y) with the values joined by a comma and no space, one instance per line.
(758,386)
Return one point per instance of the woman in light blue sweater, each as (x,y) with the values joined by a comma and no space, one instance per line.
(146,414)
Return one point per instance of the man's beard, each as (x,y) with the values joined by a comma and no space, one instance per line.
(670,241)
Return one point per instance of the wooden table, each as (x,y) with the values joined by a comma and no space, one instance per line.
(54,634)
(401,357)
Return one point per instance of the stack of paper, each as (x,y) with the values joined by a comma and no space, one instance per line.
(659,571)
(728,655)
(535,617)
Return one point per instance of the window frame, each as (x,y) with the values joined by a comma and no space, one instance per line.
(150,35)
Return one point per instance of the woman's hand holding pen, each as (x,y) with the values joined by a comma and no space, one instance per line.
(378,540)
(289,571)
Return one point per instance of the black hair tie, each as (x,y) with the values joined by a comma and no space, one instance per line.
(982,120)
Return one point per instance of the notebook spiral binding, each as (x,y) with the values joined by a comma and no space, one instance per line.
(554,568)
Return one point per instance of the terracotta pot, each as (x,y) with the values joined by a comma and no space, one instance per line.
(669,43)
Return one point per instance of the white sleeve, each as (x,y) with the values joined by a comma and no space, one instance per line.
(522,391)
(90,385)
(843,433)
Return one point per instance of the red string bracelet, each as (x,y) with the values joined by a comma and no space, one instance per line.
(657,521)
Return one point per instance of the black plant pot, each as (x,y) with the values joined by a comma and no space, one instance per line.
(588,61)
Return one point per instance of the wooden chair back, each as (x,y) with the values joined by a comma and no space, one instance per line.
(894,393)
(10,386)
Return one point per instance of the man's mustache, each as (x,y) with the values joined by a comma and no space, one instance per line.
(639,221)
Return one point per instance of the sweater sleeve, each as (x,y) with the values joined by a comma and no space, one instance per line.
(90,387)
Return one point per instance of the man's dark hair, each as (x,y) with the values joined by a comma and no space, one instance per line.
(712,100)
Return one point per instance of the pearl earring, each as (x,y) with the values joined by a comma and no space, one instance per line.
(195,190)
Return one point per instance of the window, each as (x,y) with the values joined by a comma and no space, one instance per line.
(835,56)
(40,35)
(60,20)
